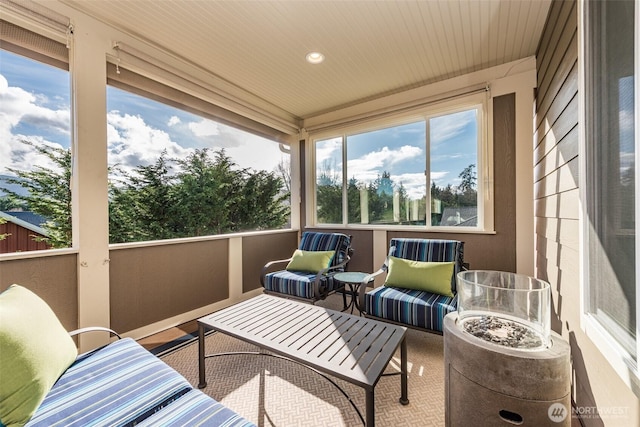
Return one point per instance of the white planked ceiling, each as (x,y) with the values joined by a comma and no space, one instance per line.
(372,48)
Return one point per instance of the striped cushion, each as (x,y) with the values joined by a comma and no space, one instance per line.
(314,241)
(299,283)
(196,408)
(116,385)
(410,307)
(430,250)
(296,283)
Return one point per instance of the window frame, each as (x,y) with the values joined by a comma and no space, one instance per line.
(485,197)
(47,48)
(151,89)
(616,355)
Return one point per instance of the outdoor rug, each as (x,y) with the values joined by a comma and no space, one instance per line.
(274,392)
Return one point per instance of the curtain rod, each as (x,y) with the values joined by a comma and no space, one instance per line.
(36,14)
(219,96)
(401,108)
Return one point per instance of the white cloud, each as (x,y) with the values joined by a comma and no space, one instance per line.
(405,152)
(414,183)
(18,106)
(439,177)
(204,127)
(451,125)
(131,142)
(369,166)
(21,156)
(328,150)
(256,153)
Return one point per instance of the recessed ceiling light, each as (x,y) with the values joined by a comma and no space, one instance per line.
(315,57)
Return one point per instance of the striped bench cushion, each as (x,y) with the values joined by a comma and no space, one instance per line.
(296,283)
(410,307)
(196,408)
(117,385)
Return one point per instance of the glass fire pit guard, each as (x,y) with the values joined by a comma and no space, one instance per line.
(505,309)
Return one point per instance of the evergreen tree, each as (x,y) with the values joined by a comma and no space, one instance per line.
(8,203)
(143,207)
(49,193)
(468,177)
(205,191)
(4,235)
(467,194)
(353,201)
(329,195)
(204,197)
(261,204)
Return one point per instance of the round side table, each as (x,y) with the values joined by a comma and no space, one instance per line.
(353,280)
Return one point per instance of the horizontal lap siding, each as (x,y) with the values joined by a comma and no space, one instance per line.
(556,171)
(557,212)
(556,180)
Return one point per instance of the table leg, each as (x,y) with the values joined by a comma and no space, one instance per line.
(371,408)
(201,373)
(344,298)
(354,298)
(404,387)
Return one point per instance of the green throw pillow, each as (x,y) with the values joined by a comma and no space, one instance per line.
(434,277)
(35,349)
(310,261)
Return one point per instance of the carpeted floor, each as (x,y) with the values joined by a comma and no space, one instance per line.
(274,392)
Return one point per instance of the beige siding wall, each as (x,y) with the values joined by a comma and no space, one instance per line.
(556,192)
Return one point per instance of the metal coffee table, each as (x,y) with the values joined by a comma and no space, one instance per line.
(349,347)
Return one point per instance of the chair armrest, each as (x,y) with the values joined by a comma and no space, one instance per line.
(362,287)
(93,329)
(318,279)
(269,265)
(341,266)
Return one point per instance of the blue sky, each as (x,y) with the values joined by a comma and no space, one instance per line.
(35,105)
(26,112)
(400,150)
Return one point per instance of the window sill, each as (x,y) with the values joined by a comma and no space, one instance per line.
(617,357)
(410,228)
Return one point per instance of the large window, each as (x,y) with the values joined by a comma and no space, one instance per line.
(420,173)
(611,152)
(35,154)
(176,174)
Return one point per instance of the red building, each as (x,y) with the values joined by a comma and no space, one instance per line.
(22,230)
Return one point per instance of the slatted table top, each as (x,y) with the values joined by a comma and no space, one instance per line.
(353,348)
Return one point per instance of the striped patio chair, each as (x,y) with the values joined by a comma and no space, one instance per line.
(309,272)
(412,305)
